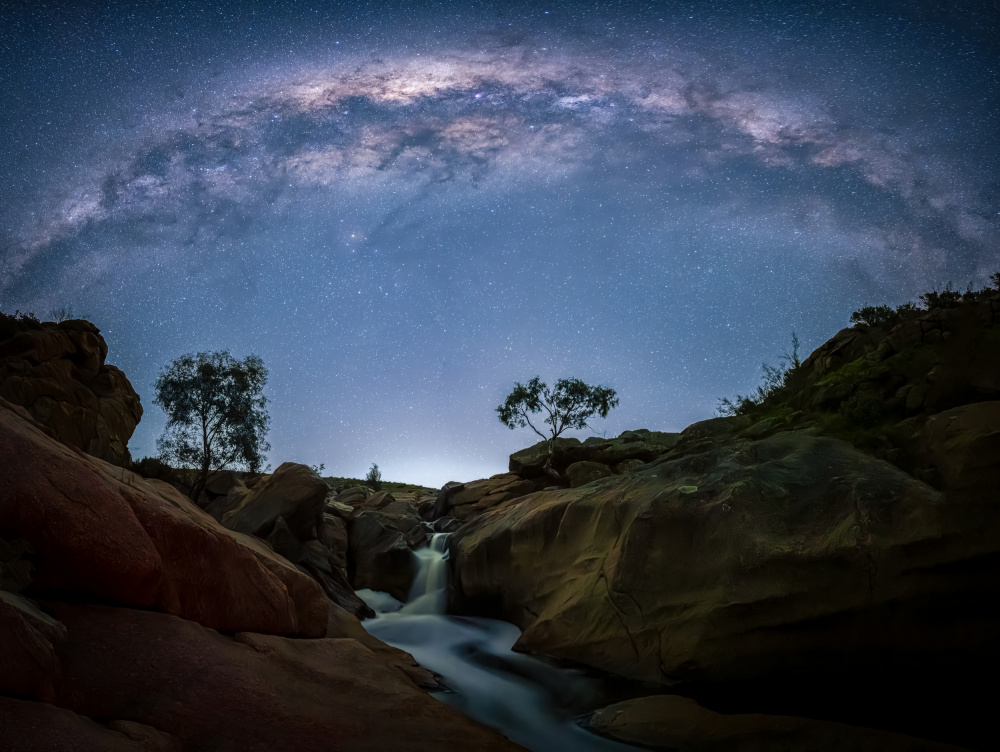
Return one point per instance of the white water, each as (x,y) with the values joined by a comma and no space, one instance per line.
(529,701)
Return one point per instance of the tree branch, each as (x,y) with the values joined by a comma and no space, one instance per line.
(524,414)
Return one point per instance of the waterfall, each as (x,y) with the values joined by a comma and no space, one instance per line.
(428,594)
(533,703)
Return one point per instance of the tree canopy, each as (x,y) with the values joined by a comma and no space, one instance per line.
(215,413)
(569,405)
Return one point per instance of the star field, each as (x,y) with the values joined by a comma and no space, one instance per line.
(403,209)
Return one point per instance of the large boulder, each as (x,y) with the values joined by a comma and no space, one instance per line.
(103,532)
(354,496)
(380,556)
(795,552)
(57,372)
(251,692)
(289,510)
(294,492)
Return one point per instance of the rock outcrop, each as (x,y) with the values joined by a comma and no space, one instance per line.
(641,445)
(846,532)
(103,532)
(943,359)
(57,372)
(383,531)
(465,500)
(144,624)
(698,566)
(574,463)
(288,509)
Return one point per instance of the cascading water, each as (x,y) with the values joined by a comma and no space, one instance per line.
(531,702)
(428,594)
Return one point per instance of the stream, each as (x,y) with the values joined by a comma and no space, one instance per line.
(531,702)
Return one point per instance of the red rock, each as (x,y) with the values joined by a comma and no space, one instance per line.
(106,532)
(252,692)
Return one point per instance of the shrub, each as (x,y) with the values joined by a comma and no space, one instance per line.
(879,316)
(774,380)
(864,408)
(12,323)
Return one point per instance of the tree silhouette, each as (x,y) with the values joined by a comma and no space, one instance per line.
(215,413)
(569,405)
(374,478)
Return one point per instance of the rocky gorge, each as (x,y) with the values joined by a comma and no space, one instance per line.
(819,573)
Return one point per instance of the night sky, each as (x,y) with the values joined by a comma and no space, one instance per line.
(405,208)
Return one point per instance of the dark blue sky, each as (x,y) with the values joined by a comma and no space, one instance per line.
(405,208)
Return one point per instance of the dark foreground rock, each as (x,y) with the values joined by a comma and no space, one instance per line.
(677,723)
(104,532)
(249,691)
(641,445)
(40,727)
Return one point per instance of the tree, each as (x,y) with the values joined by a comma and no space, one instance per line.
(569,405)
(374,478)
(62,314)
(215,413)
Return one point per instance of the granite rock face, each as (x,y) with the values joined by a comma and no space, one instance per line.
(641,444)
(253,692)
(57,372)
(104,532)
(383,529)
(702,566)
